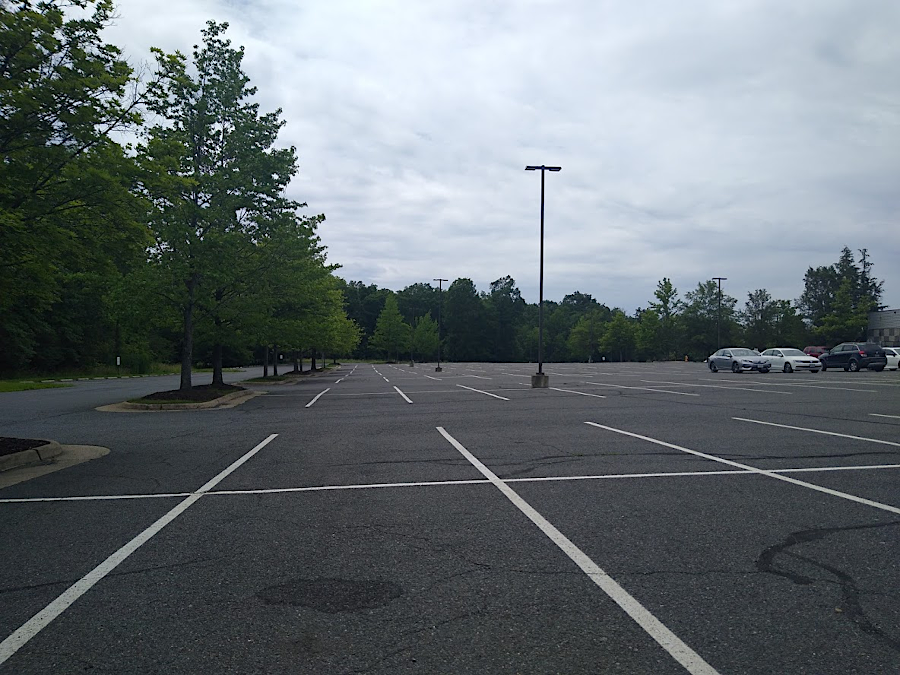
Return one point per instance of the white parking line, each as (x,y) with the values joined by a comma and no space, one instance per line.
(818,431)
(502,398)
(42,619)
(316,398)
(572,391)
(661,391)
(405,397)
(762,472)
(893,417)
(480,377)
(433,378)
(719,386)
(429,483)
(811,386)
(666,639)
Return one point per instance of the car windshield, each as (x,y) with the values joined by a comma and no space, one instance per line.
(792,352)
(744,352)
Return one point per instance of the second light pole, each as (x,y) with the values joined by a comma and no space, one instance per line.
(539,379)
(719,313)
(440,307)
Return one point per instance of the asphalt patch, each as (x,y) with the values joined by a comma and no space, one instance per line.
(332,596)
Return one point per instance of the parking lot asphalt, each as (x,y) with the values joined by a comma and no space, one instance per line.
(632,518)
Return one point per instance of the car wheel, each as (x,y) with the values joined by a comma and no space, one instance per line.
(766,369)
(712,367)
(815,370)
(787,367)
(853,366)
(878,369)
(735,367)
(824,366)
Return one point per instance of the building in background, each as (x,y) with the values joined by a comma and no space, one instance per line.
(884,327)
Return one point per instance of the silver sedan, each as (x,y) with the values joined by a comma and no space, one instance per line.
(737,360)
(789,359)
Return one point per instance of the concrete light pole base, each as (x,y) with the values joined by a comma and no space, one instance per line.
(438,370)
(540,381)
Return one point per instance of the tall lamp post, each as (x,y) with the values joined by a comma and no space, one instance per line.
(719,312)
(440,307)
(539,380)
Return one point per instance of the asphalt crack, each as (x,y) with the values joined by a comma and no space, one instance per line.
(852,595)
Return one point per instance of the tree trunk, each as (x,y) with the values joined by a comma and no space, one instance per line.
(296,364)
(266,361)
(312,364)
(187,341)
(274,360)
(217,380)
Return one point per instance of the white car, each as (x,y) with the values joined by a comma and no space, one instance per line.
(789,359)
(893,357)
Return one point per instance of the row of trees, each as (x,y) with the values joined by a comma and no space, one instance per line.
(182,245)
(498,325)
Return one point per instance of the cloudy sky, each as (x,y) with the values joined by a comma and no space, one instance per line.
(737,138)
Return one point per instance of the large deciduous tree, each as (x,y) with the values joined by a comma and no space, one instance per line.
(67,222)
(212,172)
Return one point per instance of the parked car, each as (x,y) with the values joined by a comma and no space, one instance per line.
(738,359)
(790,359)
(854,356)
(892,354)
(815,351)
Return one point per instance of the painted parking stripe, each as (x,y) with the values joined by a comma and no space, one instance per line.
(811,386)
(317,397)
(502,398)
(433,378)
(582,393)
(818,431)
(42,619)
(431,483)
(405,397)
(762,472)
(719,386)
(661,391)
(666,639)
(893,417)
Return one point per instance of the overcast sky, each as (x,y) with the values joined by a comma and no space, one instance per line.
(743,139)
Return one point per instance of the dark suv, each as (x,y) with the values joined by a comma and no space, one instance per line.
(853,356)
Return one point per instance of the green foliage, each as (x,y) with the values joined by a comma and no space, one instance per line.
(392,334)
(619,337)
(466,327)
(68,224)
(424,344)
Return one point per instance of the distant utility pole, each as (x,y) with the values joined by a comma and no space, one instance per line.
(440,307)
(539,379)
(719,312)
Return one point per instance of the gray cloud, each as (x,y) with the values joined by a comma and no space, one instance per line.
(743,139)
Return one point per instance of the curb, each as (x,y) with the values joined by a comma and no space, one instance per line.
(229,400)
(42,453)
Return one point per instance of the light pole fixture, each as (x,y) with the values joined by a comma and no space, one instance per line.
(719,312)
(440,307)
(539,380)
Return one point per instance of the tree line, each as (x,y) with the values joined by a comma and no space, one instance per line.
(498,325)
(179,247)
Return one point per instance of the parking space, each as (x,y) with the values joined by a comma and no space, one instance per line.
(633,518)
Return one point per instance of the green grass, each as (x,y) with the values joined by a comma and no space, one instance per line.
(26,385)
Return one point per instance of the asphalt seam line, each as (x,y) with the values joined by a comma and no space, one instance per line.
(677,649)
(42,619)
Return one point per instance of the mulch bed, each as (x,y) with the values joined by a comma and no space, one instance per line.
(198,394)
(11,445)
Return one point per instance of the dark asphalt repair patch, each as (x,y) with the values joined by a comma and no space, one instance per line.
(332,595)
